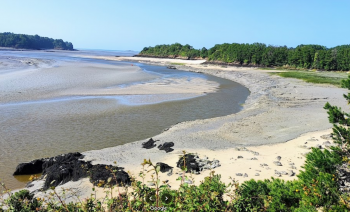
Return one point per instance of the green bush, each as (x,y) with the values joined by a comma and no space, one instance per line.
(22,201)
(251,195)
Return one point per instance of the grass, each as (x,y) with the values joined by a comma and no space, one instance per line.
(326,77)
(180,64)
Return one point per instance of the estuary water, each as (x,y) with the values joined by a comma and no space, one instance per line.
(47,124)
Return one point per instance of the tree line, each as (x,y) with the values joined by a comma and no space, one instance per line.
(23,41)
(259,54)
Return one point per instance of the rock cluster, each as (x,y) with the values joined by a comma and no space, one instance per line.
(166,146)
(110,175)
(64,168)
(61,169)
(195,164)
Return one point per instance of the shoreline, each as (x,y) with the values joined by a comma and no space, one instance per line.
(278,110)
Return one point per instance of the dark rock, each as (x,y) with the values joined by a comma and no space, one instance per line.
(171,67)
(64,168)
(102,173)
(166,146)
(164,167)
(149,144)
(190,162)
(239,157)
(68,167)
(239,174)
(61,159)
(195,164)
(33,167)
(278,158)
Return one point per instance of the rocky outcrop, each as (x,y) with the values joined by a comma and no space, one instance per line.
(61,169)
(64,168)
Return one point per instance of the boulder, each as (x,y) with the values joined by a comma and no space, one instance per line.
(33,167)
(166,146)
(149,144)
(164,167)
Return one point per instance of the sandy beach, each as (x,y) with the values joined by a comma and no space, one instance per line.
(281,117)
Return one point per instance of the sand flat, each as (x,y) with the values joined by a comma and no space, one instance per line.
(277,111)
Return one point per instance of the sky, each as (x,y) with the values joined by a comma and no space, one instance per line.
(135,24)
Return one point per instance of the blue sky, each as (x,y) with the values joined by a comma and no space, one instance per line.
(134,24)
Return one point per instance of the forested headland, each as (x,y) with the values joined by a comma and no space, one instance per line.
(22,41)
(260,55)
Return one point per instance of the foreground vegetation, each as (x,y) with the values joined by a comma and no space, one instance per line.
(22,41)
(259,54)
(318,186)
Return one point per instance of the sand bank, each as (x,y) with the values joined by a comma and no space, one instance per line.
(277,111)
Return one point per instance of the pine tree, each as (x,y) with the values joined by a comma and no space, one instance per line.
(340,121)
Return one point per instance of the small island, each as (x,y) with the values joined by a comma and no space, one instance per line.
(22,41)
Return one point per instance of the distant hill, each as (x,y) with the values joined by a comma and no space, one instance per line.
(21,41)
